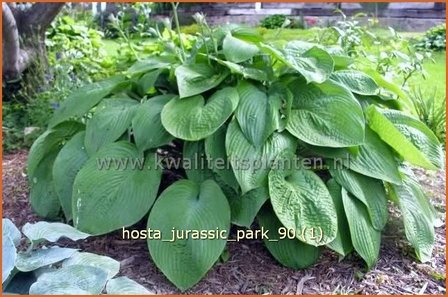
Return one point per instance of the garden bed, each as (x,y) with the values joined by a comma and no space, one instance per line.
(250,269)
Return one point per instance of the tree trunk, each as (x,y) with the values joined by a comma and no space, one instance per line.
(24,36)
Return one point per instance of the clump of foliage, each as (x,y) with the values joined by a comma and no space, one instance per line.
(434,39)
(76,56)
(53,270)
(431,110)
(81,47)
(256,107)
(274,21)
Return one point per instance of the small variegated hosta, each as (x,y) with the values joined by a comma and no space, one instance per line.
(233,97)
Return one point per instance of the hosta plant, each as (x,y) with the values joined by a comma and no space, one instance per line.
(53,270)
(257,108)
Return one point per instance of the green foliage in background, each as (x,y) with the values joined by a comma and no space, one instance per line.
(228,94)
(434,39)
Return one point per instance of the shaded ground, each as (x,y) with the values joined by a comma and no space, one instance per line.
(251,270)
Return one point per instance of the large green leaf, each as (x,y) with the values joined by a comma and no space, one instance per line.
(245,71)
(125,286)
(110,121)
(251,165)
(115,188)
(356,81)
(65,168)
(194,119)
(303,204)
(237,50)
(51,232)
(147,124)
(325,115)
(253,113)
(291,253)
(151,63)
(418,216)
(314,63)
(186,205)
(391,87)
(50,140)
(368,190)
(109,265)
(215,149)
(42,257)
(280,104)
(87,278)
(43,197)
(366,239)
(197,78)
(195,161)
(373,158)
(342,244)
(414,141)
(83,99)
(244,208)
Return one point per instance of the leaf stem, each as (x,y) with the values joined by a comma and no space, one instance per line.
(176,20)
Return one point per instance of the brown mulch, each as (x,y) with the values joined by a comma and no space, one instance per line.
(250,268)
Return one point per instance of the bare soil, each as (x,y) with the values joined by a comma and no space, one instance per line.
(250,268)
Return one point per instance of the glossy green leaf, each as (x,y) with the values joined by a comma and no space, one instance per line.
(65,168)
(291,253)
(186,205)
(151,63)
(409,137)
(43,197)
(197,78)
(314,63)
(43,257)
(366,239)
(244,208)
(125,286)
(49,141)
(391,87)
(148,81)
(251,165)
(245,71)
(51,232)
(83,99)
(110,121)
(87,278)
(368,190)
(195,161)
(418,216)
(194,119)
(373,158)
(237,50)
(114,189)
(325,115)
(302,203)
(253,113)
(215,149)
(356,81)
(147,124)
(109,265)
(342,244)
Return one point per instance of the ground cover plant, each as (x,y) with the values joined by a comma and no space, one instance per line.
(39,269)
(229,95)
